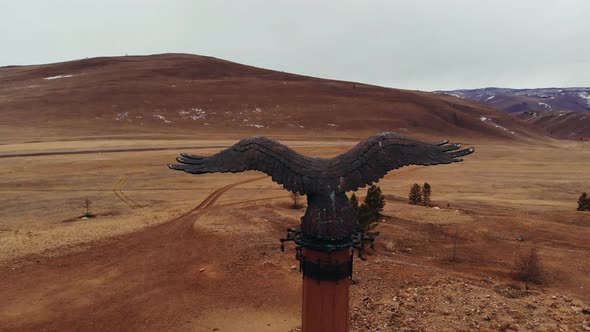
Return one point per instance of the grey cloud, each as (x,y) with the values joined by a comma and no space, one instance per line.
(423,44)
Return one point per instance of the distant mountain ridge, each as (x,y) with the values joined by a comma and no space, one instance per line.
(521,100)
(562,112)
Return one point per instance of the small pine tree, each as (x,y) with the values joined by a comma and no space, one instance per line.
(415,196)
(369,212)
(426,193)
(354,201)
(583,203)
(365,219)
(296,197)
(375,201)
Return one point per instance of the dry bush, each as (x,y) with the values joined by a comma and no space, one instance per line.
(86,204)
(456,237)
(389,245)
(529,269)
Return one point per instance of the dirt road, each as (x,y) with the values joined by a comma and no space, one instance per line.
(104,150)
(163,278)
(40,153)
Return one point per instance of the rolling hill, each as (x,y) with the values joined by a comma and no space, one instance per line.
(560,124)
(182,95)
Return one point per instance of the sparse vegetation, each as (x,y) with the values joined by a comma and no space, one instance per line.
(415,196)
(584,202)
(529,268)
(296,197)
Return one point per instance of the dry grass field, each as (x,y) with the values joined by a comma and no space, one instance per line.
(171,251)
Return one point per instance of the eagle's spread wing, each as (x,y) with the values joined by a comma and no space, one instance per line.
(367,162)
(287,167)
(372,158)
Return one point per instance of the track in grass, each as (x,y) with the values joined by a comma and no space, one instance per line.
(118,191)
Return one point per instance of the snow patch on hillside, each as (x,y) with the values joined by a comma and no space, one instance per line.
(490,98)
(122,116)
(59,76)
(544,105)
(585,97)
(490,122)
(193,114)
(161,117)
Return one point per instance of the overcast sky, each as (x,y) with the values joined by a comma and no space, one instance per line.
(421,44)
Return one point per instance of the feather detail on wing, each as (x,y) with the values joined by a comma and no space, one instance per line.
(367,162)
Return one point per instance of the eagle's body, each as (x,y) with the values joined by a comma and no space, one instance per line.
(329,215)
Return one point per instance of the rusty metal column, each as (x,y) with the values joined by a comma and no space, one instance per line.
(326,283)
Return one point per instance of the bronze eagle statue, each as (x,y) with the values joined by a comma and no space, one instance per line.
(329,216)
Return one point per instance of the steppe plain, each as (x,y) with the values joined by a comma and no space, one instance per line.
(137,263)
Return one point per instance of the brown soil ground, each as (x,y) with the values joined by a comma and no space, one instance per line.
(170,251)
